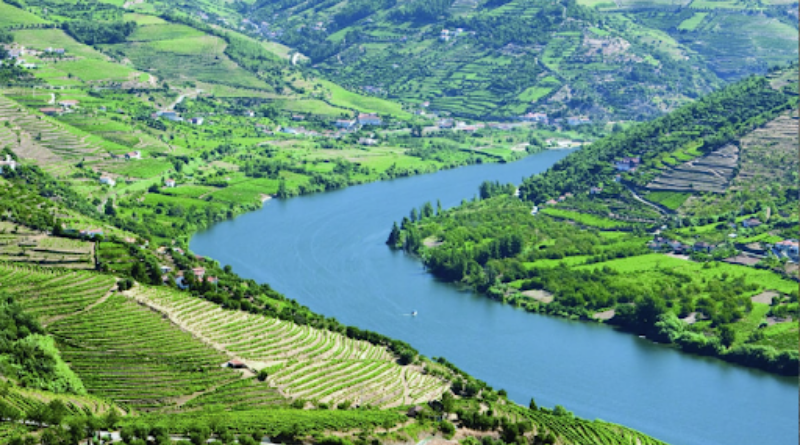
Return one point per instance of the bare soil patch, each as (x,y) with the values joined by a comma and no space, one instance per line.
(539,295)
(605,315)
(764,297)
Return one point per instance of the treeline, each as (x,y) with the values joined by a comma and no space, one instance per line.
(28,355)
(96,32)
(716,120)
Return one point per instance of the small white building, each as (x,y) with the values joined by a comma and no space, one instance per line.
(169,183)
(107,180)
(8,164)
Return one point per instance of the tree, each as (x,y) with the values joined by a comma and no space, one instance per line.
(532,405)
(727,335)
(109,208)
(394,235)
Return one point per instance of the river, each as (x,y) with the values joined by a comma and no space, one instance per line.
(327,251)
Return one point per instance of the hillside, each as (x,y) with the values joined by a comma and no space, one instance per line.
(685,237)
(608,60)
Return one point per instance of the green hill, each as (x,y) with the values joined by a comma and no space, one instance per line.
(503,58)
(681,237)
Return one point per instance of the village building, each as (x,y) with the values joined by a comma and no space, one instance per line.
(345,123)
(107,180)
(751,223)
(91,233)
(49,111)
(369,119)
(199,272)
(169,183)
(8,163)
(535,117)
(367,141)
(196,121)
(702,246)
(574,121)
(68,104)
(627,163)
(133,155)
(788,249)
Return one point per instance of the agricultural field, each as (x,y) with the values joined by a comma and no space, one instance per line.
(53,294)
(43,250)
(314,365)
(11,16)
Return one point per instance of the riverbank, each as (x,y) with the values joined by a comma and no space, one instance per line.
(497,248)
(327,251)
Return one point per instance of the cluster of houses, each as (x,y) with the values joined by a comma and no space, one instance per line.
(661,243)
(627,164)
(362,120)
(446,34)
(8,163)
(561,198)
(65,105)
(15,54)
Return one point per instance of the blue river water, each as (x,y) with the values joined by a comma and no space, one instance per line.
(327,251)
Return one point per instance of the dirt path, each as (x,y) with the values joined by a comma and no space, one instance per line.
(646,202)
(99,301)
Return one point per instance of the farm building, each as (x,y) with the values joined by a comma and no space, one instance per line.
(169,183)
(196,121)
(199,272)
(133,155)
(367,141)
(236,364)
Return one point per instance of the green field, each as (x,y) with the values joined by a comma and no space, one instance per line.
(670,200)
(691,23)
(585,219)
(12,16)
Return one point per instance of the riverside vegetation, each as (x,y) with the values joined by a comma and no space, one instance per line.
(133,126)
(98,335)
(691,268)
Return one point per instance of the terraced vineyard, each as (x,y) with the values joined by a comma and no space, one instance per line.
(769,151)
(127,353)
(28,401)
(710,173)
(317,364)
(50,294)
(37,138)
(29,247)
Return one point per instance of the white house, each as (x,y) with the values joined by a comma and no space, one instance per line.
(8,163)
(169,183)
(107,180)
(133,155)
(345,123)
